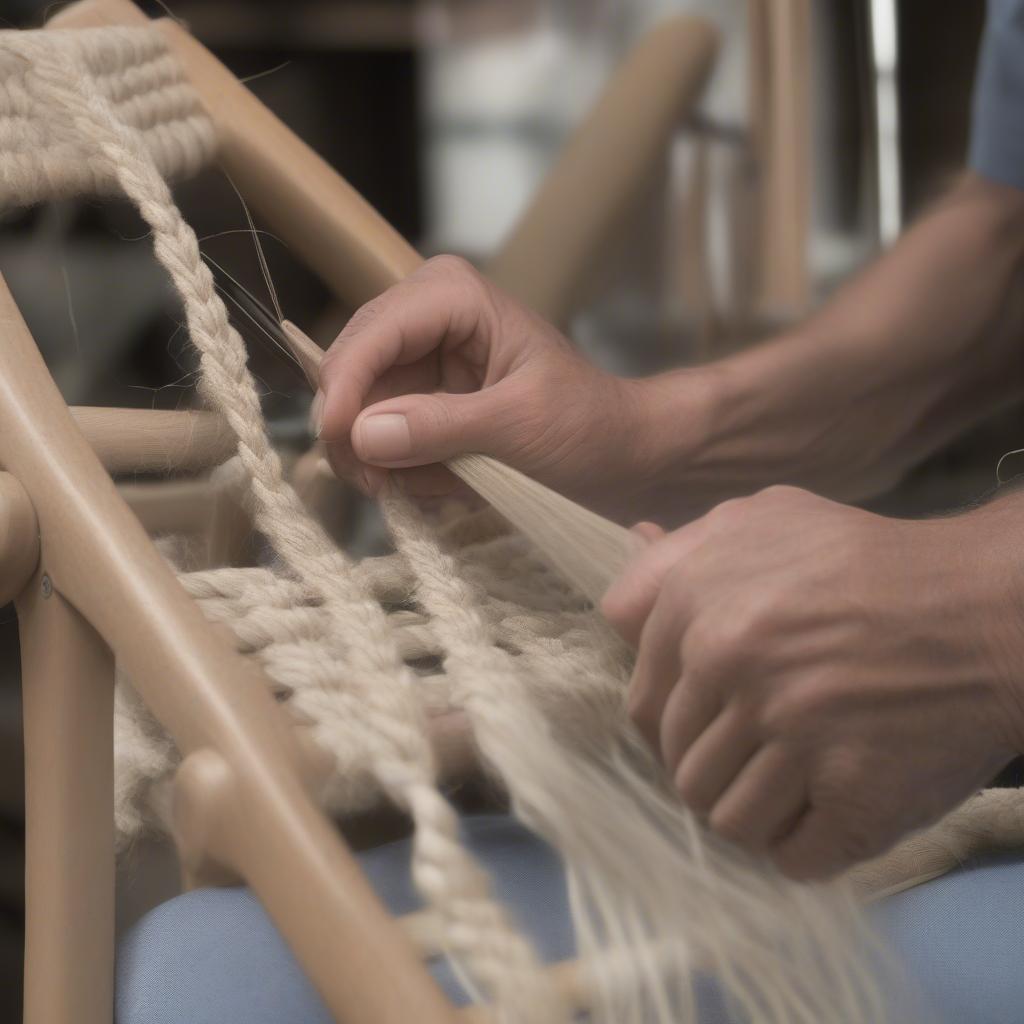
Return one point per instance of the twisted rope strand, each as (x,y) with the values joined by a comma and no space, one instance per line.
(480,933)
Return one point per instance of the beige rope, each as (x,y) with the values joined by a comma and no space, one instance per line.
(377,683)
(539,676)
(144,86)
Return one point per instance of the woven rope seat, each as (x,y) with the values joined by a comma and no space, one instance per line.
(530,613)
(464,619)
(44,158)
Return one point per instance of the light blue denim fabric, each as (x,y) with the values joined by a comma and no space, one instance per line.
(213,956)
(997,126)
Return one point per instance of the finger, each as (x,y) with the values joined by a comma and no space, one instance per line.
(657,667)
(433,308)
(370,480)
(648,532)
(420,378)
(425,481)
(630,599)
(816,849)
(704,749)
(417,430)
(764,801)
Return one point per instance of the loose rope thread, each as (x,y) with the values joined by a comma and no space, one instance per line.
(541,680)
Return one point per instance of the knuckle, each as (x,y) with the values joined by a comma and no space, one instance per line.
(799,707)
(729,514)
(471,297)
(360,320)
(730,825)
(751,624)
(719,642)
(642,709)
(619,606)
(675,586)
(780,492)
(693,792)
(450,265)
(464,279)
(437,412)
(786,712)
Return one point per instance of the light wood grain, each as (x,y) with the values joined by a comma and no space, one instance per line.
(604,167)
(101,563)
(302,199)
(68,700)
(19,538)
(155,440)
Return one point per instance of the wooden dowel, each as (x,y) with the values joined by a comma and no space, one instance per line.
(155,440)
(98,558)
(304,201)
(19,538)
(68,692)
(605,167)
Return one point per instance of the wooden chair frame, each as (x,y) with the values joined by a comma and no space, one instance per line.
(90,587)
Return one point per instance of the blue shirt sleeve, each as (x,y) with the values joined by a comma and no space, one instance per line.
(997,124)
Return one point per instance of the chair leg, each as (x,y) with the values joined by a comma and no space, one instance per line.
(68,684)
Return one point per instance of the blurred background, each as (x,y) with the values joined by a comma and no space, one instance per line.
(809,153)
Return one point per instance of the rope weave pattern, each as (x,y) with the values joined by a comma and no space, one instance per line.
(379,688)
(133,72)
(461,617)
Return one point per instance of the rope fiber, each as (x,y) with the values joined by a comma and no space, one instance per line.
(520,650)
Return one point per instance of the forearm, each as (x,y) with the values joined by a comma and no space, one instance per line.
(925,342)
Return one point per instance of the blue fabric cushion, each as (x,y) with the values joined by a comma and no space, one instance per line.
(961,937)
(997,128)
(214,957)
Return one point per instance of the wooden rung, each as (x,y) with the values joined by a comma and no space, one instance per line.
(19,538)
(155,440)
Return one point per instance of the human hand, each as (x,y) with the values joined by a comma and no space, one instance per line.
(444,363)
(820,680)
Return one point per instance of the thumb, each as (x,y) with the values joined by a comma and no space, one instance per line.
(416,430)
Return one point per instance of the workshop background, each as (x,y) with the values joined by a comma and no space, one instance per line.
(445,114)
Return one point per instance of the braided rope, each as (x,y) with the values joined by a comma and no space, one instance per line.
(541,682)
(379,688)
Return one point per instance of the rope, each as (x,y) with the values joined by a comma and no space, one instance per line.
(539,676)
(378,685)
(144,86)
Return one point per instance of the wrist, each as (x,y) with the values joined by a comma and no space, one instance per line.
(762,417)
(986,549)
(676,417)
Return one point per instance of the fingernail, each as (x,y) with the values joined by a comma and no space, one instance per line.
(384,438)
(316,415)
